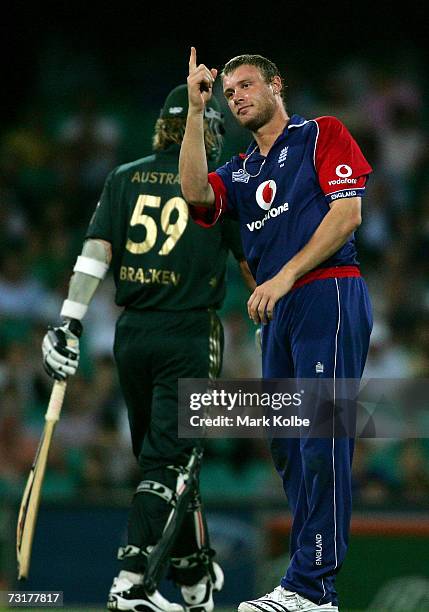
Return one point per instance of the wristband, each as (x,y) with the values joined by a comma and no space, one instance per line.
(73,310)
(90,266)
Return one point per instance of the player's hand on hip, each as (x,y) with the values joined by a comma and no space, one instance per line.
(260,305)
(200,83)
(60,348)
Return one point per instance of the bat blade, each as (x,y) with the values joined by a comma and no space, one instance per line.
(30,502)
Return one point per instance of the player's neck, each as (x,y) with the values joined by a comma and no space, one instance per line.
(266,136)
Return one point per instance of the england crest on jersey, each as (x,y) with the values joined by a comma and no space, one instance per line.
(241,176)
(282,157)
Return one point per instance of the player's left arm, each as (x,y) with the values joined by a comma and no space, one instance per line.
(60,345)
(335,229)
(338,161)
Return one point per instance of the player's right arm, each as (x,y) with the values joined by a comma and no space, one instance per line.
(60,346)
(193,168)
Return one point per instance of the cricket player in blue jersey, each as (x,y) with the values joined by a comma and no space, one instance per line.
(297,195)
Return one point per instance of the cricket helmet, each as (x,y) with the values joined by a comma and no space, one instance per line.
(176,106)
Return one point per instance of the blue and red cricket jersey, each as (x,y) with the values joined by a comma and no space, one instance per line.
(281,199)
(320,328)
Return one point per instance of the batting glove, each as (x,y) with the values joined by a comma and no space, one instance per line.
(60,348)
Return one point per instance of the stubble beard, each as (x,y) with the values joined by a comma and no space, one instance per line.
(256,123)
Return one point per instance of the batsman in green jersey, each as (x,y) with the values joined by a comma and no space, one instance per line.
(170,279)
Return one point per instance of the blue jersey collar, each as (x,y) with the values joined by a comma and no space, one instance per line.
(295,121)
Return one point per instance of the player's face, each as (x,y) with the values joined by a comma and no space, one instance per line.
(249,97)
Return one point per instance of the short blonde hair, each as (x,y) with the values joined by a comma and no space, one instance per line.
(266,67)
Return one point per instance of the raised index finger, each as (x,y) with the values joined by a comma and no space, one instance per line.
(192,60)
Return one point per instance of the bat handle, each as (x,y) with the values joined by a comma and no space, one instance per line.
(56,400)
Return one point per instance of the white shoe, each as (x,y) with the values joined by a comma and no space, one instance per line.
(281,600)
(125,595)
(199,597)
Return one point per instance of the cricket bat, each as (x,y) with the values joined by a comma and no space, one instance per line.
(27,516)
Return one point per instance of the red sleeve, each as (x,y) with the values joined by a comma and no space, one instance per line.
(340,165)
(207,217)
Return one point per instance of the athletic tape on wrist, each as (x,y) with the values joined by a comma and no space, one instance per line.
(73,310)
(91,266)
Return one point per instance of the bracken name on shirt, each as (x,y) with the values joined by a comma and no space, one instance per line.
(163,178)
(149,276)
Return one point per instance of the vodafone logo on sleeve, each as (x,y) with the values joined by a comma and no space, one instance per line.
(266,193)
(343,171)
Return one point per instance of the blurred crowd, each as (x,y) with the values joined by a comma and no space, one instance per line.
(51,173)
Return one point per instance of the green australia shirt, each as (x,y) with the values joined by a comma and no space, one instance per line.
(161,259)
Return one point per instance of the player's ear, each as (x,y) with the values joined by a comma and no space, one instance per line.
(276,84)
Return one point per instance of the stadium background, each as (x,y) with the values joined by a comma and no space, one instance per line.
(82,88)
